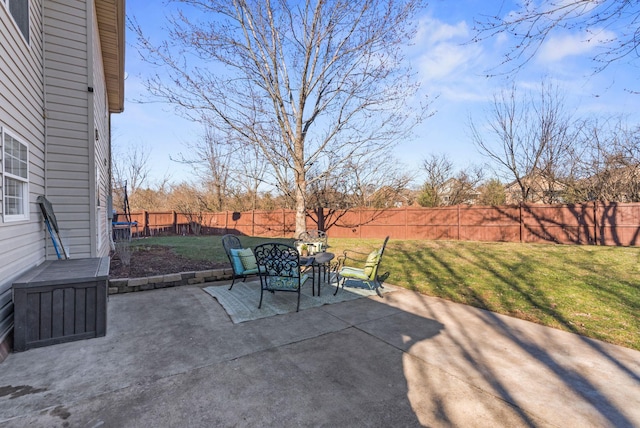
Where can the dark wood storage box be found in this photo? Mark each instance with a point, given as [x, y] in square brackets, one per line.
[60, 301]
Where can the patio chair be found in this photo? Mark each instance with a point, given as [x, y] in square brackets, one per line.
[280, 270]
[367, 274]
[242, 260]
[313, 237]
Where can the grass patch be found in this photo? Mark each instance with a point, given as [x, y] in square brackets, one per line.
[588, 290]
[202, 247]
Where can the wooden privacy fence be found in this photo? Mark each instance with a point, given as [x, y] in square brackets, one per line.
[589, 223]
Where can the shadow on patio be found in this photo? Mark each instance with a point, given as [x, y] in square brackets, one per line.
[172, 357]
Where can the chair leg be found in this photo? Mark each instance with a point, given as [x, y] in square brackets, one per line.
[261, 291]
[313, 281]
[320, 268]
[338, 283]
[382, 278]
[232, 281]
[377, 288]
[298, 307]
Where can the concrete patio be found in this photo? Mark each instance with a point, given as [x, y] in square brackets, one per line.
[173, 358]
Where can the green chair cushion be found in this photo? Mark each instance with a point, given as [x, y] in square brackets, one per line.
[248, 259]
[371, 263]
[355, 273]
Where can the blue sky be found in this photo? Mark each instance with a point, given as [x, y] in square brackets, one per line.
[451, 70]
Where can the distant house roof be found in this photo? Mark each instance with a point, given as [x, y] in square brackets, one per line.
[541, 189]
[111, 28]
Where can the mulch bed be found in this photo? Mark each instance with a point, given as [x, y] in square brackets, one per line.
[156, 260]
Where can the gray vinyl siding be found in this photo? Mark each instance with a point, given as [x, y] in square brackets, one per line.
[22, 114]
[67, 104]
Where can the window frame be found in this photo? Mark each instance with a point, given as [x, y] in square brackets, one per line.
[26, 34]
[5, 174]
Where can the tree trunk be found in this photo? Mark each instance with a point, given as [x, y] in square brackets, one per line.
[301, 211]
[320, 217]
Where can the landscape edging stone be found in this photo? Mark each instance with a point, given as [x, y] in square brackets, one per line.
[130, 285]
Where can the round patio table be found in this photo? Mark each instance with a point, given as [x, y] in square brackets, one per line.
[321, 261]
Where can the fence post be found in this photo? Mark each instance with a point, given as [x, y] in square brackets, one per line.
[459, 222]
[253, 222]
[521, 225]
[406, 222]
[595, 223]
[145, 223]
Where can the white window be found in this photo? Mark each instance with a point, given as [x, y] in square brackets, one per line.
[19, 10]
[15, 178]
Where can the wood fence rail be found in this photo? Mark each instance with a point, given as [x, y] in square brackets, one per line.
[592, 223]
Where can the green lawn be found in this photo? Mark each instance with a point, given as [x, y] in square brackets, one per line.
[590, 290]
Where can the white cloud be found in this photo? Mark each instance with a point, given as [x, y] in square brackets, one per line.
[441, 61]
[442, 50]
[431, 31]
[569, 9]
[558, 48]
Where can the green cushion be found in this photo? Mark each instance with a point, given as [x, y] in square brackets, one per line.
[236, 262]
[371, 263]
[355, 273]
[248, 259]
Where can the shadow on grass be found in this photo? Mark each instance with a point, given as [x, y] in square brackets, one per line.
[456, 287]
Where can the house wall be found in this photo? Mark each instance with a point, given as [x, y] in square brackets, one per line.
[53, 98]
[74, 88]
[22, 113]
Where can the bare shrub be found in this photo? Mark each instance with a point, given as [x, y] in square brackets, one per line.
[123, 249]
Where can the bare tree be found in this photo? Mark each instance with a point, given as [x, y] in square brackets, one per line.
[609, 164]
[463, 187]
[439, 169]
[130, 171]
[376, 180]
[446, 186]
[372, 180]
[613, 25]
[303, 81]
[211, 158]
[191, 201]
[248, 175]
[529, 141]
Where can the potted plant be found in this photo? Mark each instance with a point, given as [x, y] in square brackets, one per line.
[304, 250]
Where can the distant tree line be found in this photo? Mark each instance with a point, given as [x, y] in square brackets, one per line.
[535, 152]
